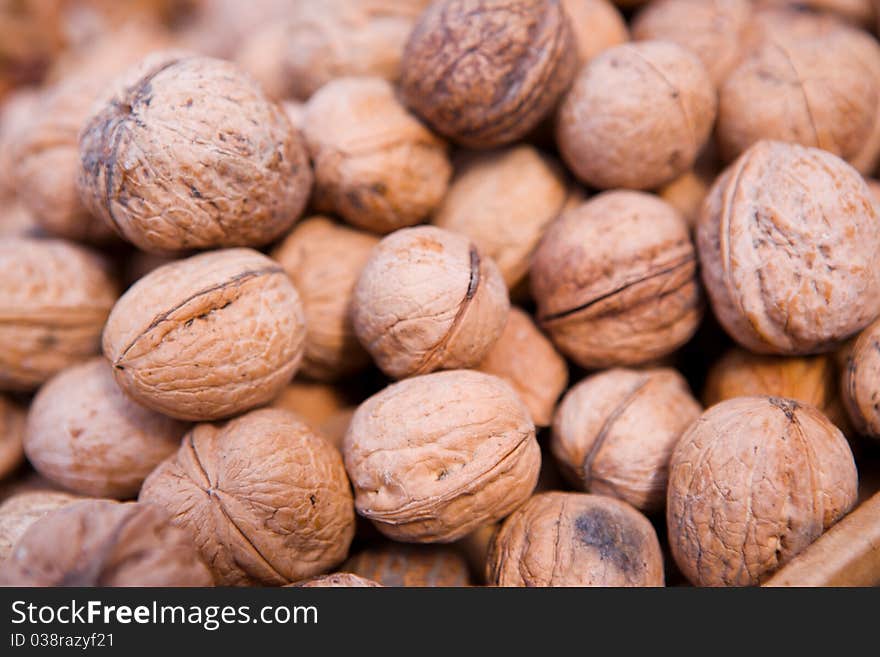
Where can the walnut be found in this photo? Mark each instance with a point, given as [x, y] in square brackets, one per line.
[573, 539]
[399, 565]
[207, 337]
[16, 111]
[528, 362]
[189, 153]
[86, 435]
[375, 164]
[485, 72]
[434, 457]
[614, 433]
[266, 498]
[296, 113]
[324, 261]
[504, 202]
[338, 580]
[859, 382]
[427, 299]
[54, 300]
[104, 543]
[856, 11]
[781, 277]
[596, 24]
[21, 510]
[637, 116]
[616, 281]
[315, 403]
[752, 483]
[31, 36]
[12, 418]
[686, 194]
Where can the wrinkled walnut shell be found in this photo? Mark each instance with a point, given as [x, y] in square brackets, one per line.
[485, 72]
[207, 337]
[752, 483]
[860, 383]
[434, 457]
[411, 565]
[616, 281]
[12, 420]
[782, 276]
[596, 24]
[426, 300]
[21, 510]
[573, 539]
[266, 499]
[84, 434]
[338, 580]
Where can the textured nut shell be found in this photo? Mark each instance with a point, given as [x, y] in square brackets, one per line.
[266, 498]
[528, 362]
[636, 116]
[428, 300]
[375, 164]
[596, 24]
[713, 30]
[339, 580]
[12, 419]
[504, 202]
[485, 72]
[207, 337]
[411, 565]
[752, 483]
[86, 435]
[105, 543]
[20, 511]
[434, 457]
[189, 153]
[54, 299]
[859, 382]
[324, 260]
[615, 431]
[788, 242]
[615, 281]
[573, 539]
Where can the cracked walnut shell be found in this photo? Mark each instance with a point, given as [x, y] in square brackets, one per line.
[788, 242]
[426, 300]
[434, 457]
[753, 482]
[188, 152]
[207, 337]
[265, 497]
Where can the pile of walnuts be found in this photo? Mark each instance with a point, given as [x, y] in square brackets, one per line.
[410, 293]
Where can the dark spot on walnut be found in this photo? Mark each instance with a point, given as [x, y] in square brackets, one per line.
[616, 543]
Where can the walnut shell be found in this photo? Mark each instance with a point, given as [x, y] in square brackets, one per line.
[20, 511]
[12, 420]
[781, 276]
[485, 72]
[54, 300]
[528, 362]
[861, 12]
[324, 260]
[596, 24]
[266, 498]
[427, 300]
[752, 483]
[338, 580]
[636, 116]
[686, 194]
[411, 566]
[614, 433]
[434, 457]
[189, 153]
[375, 164]
[86, 435]
[616, 281]
[105, 543]
[315, 403]
[207, 337]
[859, 382]
[573, 539]
[16, 111]
[504, 202]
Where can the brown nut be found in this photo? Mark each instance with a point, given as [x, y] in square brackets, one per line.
[434, 457]
[16, 111]
[504, 202]
[86, 435]
[12, 420]
[596, 24]
[686, 194]
[485, 72]
[614, 433]
[782, 276]
[20, 511]
[324, 260]
[207, 337]
[752, 483]
[411, 565]
[861, 12]
[528, 362]
[426, 300]
[266, 498]
[375, 164]
[636, 116]
[105, 543]
[338, 580]
[315, 403]
[189, 153]
[573, 539]
[616, 282]
[859, 383]
[54, 300]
